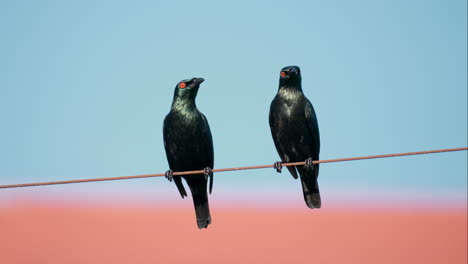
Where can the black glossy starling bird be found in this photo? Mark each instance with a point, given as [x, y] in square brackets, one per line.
[189, 146]
[294, 128]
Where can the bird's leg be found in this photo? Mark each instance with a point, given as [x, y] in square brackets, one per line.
[278, 166]
[169, 175]
[207, 172]
[308, 163]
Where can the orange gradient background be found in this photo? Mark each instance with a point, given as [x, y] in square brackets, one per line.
[59, 233]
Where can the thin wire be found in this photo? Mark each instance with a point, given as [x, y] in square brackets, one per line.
[231, 169]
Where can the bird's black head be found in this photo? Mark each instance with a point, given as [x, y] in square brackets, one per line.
[290, 76]
[188, 89]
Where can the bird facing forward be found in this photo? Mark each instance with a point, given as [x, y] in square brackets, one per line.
[189, 146]
[294, 128]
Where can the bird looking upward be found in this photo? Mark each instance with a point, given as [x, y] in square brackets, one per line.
[189, 146]
[295, 132]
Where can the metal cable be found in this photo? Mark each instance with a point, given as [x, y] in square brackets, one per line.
[231, 169]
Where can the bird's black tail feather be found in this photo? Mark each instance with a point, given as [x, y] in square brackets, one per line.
[310, 186]
[200, 201]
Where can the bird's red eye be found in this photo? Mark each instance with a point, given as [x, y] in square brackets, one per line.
[283, 74]
[182, 85]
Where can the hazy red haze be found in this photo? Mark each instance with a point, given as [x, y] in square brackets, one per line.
[124, 234]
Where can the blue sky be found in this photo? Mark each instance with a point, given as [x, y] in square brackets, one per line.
[85, 86]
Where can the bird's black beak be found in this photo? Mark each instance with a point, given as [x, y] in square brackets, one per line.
[291, 71]
[197, 81]
[294, 70]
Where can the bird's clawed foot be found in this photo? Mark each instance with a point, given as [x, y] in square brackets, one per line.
[169, 175]
[278, 166]
[308, 163]
[207, 172]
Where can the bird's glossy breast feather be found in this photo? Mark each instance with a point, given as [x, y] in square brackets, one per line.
[185, 141]
[288, 113]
